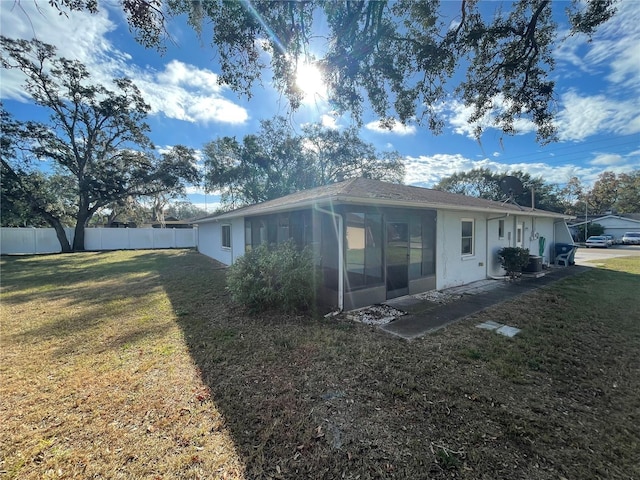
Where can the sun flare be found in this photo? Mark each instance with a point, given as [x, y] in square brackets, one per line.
[309, 80]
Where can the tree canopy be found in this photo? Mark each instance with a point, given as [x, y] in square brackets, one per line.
[95, 141]
[619, 193]
[275, 162]
[611, 192]
[483, 183]
[402, 58]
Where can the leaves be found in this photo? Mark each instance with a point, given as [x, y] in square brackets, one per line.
[402, 59]
[275, 162]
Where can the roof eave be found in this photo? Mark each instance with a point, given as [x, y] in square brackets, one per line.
[349, 200]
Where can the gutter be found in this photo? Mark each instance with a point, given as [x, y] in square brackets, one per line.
[340, 254]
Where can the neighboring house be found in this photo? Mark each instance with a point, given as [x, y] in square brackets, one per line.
[373, 241]
[615, 225]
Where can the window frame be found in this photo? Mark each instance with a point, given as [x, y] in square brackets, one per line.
[227, 236]
[472, 237]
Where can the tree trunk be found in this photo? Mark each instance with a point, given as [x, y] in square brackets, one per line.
[60, 233]
[84, 214]
[78, 235]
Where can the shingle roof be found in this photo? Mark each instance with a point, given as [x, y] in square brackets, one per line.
[365, 191]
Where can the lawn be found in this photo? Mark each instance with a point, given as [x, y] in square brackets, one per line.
[137, 365]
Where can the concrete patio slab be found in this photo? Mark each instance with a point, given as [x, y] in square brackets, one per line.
[472, 299]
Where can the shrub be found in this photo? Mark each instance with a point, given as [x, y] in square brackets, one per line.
[513, 260]
[281, 277]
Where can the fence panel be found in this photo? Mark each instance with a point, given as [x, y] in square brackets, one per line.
[185, 237]
[44, 240]
[141, 237]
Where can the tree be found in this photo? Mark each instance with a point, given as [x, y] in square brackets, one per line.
[484, 183]
[479, 182]
[340, 154]
[628, 192]
[96, 138]
[403, 58]
[275, 162]
[604, 194]
[615, 193]
[266, 165]
[183, 210]
[571, 197]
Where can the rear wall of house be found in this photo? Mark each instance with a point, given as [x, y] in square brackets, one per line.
[212, 244]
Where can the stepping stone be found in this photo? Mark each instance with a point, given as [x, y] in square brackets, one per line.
[508, 331]
[489, 325]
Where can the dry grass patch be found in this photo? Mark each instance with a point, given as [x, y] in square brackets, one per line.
[140, 367]
[96, 379]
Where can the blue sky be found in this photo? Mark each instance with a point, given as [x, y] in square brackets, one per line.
[597, 90]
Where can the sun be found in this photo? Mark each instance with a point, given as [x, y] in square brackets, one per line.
[309, 80]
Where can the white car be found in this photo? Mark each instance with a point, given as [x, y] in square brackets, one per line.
[631, 238]
[597, 241]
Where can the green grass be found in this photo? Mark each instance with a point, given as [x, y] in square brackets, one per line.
[137, 365]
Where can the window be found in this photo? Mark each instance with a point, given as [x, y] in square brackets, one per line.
[500, 228]
[423, 240]
[467, 236]
[247, 236]
[363, 249]
[226, 236]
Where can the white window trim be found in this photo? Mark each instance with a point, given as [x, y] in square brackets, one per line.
[223, 246]
[501, 222]
[473, 237]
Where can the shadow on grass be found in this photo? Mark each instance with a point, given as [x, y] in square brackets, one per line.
[308, 398]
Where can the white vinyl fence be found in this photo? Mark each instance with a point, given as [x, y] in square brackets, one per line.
[43, 240]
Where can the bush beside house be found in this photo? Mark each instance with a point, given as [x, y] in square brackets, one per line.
[513, 260]
[279, 277]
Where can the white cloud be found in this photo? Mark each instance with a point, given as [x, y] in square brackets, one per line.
[607, 160]
[179, 91]
[329, 121]
[614, 49]
[178, 73]
[459, 114]
[397, 128]
[583, 116]
[429, 170]
[612, 56]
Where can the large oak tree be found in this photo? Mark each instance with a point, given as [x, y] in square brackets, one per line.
[96, 139]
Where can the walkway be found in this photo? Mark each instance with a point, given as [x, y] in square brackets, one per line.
[423, 317]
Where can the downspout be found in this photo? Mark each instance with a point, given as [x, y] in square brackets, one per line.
[340, 254]
[231, 235]
[486, 242]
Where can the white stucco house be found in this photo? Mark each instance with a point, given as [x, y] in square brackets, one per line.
[373, 240]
